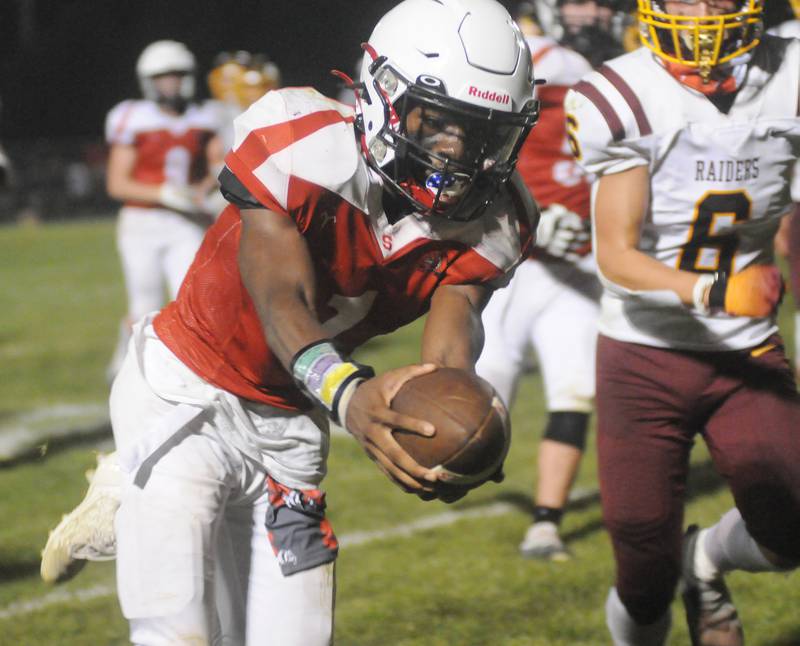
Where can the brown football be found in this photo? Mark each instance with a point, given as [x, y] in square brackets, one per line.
[472, 425]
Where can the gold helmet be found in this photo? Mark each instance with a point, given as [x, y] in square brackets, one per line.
[260, 77]
[700, 42]
[225, 74]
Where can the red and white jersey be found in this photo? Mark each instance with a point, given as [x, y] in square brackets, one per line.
[546, 163]
[169, 148]
[296, 152]
[718, 182]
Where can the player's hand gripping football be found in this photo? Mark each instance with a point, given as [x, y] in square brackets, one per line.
[755, 291]
[563, 233]
[371, 420]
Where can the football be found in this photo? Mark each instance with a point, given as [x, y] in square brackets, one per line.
[473, 430]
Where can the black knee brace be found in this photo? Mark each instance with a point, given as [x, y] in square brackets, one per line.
[568, 428]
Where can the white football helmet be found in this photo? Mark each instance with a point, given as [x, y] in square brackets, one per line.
[163, 57]
[465, 67]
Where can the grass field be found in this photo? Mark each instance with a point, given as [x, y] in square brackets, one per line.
[409, 573]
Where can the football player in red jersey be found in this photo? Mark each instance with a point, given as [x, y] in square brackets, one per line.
[551, 305]
[159, 162]
[341, 226]
[693, 139]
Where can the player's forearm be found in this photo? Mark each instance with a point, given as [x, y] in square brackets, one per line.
[453, 334]
[126, 189]
[636, 271]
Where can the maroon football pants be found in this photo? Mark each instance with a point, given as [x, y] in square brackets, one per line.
[650, 404]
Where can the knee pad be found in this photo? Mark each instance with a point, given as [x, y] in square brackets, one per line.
[568, 428]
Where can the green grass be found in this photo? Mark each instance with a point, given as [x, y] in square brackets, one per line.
[463, 584]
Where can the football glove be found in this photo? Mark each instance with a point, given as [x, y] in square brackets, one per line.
[755, 291]
[563, 233]
[177, 198]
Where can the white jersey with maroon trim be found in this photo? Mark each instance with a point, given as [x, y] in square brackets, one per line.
[718, 182]
[169, 148]
[296, 152]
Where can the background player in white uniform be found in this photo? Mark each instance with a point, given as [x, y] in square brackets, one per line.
[694, 148]
[551, 305]
[159, 167]
[335, 233]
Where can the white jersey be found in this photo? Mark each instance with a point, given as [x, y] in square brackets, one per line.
[719, 182]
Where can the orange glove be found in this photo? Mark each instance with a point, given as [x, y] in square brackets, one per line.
[755, 291]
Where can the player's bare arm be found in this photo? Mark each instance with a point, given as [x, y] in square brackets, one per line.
[119, 180]
[453, 335]
[278, 273]
[620, 208]
[277, 270]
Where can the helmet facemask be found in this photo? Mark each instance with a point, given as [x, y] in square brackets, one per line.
[700, 42]
[446, 157]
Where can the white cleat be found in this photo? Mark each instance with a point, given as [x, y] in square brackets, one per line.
[87, 532]
[543, 542]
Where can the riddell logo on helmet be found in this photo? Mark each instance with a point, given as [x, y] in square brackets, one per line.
[489, 95]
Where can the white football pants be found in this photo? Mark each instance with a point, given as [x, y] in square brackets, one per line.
[551, 307]
[156, 247]
[194, 563]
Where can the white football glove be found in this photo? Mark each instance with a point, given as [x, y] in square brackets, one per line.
[177, 198]
[563, 233]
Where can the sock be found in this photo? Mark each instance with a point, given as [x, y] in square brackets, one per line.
[729, 546]
[626, 632]
[542, 514]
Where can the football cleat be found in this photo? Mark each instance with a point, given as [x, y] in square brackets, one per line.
[710, 613]
[87, 532]
[543, 542]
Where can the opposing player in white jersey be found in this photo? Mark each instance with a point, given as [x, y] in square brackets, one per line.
[551, 304]
[693, 138]
[341, 226]
[159, 167]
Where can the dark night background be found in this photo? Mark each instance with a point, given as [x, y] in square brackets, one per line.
[65, 63]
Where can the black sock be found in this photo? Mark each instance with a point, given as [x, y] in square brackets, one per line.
[547, 514]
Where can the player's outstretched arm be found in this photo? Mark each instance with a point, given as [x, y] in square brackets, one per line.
[453, 334]
[278, 272]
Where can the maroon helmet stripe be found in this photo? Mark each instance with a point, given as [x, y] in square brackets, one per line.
[601, 103]
[630, 98]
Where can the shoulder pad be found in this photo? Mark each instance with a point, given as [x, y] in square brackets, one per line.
[294, 133]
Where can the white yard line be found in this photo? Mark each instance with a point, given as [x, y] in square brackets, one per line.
[35, 428]
[352, 539]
